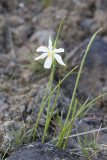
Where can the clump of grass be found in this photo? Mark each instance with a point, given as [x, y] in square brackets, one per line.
[22, 136]
[87, 146]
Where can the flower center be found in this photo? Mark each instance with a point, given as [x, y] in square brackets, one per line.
[50, 53]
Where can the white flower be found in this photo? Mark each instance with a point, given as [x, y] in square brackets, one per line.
[50, 53]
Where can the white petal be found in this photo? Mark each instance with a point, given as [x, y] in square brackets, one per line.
[50, 44]
[48, 62]
[59, 59]
[42, 49]
[41, 56]
[58, 50]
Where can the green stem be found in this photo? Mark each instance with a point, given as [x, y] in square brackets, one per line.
[54, 105]
[41, 109]
[46, 124]
[6, 152]
[55, 44]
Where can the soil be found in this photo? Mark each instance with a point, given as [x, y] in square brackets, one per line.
[26, 25]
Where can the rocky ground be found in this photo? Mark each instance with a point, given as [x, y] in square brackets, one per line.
[24, 26]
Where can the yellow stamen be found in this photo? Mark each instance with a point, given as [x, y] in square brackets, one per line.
[49, 54]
